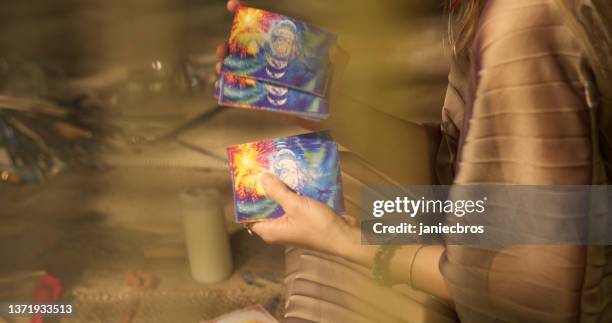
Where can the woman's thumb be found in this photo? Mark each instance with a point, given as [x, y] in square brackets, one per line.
[277, 190]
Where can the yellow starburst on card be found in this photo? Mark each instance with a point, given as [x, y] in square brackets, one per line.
[248, 29]
[248, 20]
[248, 166]
[252, 48]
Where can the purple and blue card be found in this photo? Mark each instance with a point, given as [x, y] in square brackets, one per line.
[244, 92]
[276, 63]
[308, 164]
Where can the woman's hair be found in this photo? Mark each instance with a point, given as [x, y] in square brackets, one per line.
[591, 19]
[462, 22]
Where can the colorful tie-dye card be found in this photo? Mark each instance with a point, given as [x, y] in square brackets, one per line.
[308, 164]
[278, 49]
[246, 92]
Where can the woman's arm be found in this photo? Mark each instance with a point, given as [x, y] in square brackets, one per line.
[424, 269]
[400, 149]
[380, 139]
[313, 225]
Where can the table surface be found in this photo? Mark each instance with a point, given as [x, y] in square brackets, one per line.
[89, 228]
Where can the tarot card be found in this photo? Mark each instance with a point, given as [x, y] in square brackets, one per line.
[278, 49]
[308, 164]
[255, 314]
[246, 92]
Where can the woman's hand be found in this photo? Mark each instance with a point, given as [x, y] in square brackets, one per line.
[310, 224]
[222, 50]
[306, 223]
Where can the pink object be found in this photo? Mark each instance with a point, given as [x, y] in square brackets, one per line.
[47, 290]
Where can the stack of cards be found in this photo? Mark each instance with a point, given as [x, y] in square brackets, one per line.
[307, 164]
[280, 64]
[276, 63]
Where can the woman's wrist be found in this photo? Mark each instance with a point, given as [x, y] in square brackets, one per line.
[348, 246]
[341, 239]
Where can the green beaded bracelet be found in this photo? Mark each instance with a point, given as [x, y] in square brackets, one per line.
[382, 259]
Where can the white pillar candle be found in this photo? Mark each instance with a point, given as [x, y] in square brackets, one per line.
[208, 247]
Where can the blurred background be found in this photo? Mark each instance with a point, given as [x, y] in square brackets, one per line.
[107, 116]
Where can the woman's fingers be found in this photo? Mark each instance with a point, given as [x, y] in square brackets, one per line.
[269, 230]
[279, 192]
[349, 219]
[221, 51]
[232, 5]
[218, 68]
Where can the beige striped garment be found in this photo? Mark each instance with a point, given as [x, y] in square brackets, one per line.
[520, 114]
